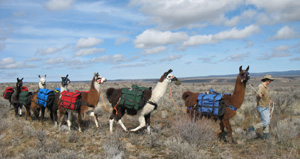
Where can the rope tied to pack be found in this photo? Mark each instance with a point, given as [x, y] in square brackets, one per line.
[174, 101]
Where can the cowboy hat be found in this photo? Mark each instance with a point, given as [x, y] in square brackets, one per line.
[267, 77]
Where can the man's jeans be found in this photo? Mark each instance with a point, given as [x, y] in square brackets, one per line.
[264, 114]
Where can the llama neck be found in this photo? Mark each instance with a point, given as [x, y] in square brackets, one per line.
[159, 91]
[93, 95]
[42, 86]
[238, 95]
[64, 88]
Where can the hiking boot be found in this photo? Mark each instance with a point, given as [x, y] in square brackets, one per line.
[266, 136]
[251, 129]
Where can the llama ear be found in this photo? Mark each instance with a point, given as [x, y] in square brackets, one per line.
[241, 69]
[170, 70]
[67, 75]
[39, 76]
[22, 79]
[18, 79]
[45, 76]
[247, 69]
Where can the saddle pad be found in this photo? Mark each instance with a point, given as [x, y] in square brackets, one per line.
[25, 98]
[70, 100]
[133, 98]
[45, 97]
[212, 104]
[8, 92]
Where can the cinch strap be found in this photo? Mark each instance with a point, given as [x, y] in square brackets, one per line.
[231, 107]
[152, 103]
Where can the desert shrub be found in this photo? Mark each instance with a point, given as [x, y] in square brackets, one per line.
[34, 154]
[181, 149]
[286, 131]
[113, 147]
[73, 137]
[202, 132]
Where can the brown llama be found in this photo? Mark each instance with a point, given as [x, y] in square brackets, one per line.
[151, 98]
[89, 101]
[52, 106]
[14, 100]
[235, 100]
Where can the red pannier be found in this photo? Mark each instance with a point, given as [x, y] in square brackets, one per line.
[24, 88]
[70, 100]
[8, 92]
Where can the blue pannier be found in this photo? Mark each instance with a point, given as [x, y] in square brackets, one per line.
[45, 97]
[211, 104]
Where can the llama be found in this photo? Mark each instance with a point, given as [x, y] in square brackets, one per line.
[89, 101]
[15, 97]
[65, 81]
[235, 100]
[152, 99]
[34, 106]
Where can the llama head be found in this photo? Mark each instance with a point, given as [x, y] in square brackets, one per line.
[99, 79]
[169, 77]
[244, 74]
[19, 82]
[65, 81]
[42, 82]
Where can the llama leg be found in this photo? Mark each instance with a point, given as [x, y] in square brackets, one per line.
[92, 114]
[43, 113]
[111, 121]
[147, 118]
[142, 124]
[61, 114]
[79, 121]
[69, 120]
[228, 128]
[16, 110]
[20, 109]
[221, 134]
[111, 124]
[122, 125]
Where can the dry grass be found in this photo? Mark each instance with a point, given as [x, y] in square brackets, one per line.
[173, 135]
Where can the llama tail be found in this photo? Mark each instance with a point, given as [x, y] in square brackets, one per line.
[187, 94]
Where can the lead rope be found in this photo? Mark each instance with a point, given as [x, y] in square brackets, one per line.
[101, 94]
[174, 101]
[271, 111]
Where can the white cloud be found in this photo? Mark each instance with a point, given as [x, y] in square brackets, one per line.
[295, 59]
[171, 58]
[277, 10]
[121, 40]
[155, 50]
[237, 34]
[50, 50]
[90, 51]
[237, 57]
[130, 65]
[89, 42]
[224, 35]
[10, 63]
[58, 5]
[285, 33]
[179, 13]
[56, 60]
[152, 38]
[267, 56]
[282, 48]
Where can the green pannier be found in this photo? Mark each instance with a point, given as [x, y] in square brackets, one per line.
[25, 98]
[133, 98]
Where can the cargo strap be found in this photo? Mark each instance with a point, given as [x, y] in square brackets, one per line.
[154, 104]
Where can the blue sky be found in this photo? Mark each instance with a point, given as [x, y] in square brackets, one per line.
[138, 39]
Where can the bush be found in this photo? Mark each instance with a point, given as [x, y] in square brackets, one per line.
[286, 131]
[202, 132]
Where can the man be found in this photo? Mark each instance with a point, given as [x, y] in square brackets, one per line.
[263, 101]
